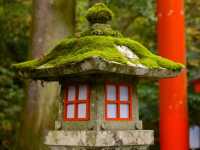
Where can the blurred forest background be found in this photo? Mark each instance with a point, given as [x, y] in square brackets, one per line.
[134, 18]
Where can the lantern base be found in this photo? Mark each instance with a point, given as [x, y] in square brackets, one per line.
[95, 148]
[100, 140]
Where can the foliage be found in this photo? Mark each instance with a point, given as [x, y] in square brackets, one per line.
[193, 55]
[148, 99]
[81, 21]
[14, 30]
[11, 103]
[135, 19]
[194, 103]
[14, 26]
[193, 46]
[193, 33]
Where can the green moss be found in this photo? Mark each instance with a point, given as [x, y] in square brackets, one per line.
[75, 50]
[84, 48]
[151, 63]
[27, 64]
[153, 60]
[99, 13]
[166, 63]
[100, 40]
[101, 29]
[135, 46]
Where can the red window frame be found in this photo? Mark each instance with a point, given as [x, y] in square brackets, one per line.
[76, 101]
[118, 101]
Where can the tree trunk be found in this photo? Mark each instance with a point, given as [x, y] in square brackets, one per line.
[52, 20]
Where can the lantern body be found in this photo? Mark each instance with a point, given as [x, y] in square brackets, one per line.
[98, 130]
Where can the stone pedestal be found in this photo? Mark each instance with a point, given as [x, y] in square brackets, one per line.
[95, 148]
[100, 140]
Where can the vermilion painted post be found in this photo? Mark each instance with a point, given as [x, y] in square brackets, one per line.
[173, 92]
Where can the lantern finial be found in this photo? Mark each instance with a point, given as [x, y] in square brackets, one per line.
[99, 13]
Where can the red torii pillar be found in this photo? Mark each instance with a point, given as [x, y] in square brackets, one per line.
[173, 91]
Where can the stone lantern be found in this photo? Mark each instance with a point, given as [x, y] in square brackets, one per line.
[98, 71]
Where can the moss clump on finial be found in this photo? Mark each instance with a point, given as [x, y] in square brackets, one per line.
[101, 30]
[99, 13]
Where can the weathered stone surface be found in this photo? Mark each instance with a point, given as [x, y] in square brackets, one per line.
[98, 65]
[100, 138]
[100, 148]
[138, 125]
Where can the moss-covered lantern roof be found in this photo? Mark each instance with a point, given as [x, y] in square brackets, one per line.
[99, 49]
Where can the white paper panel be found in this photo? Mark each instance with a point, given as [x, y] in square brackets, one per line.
[81, 110]
[82, 92]
[123, 93]
[194, 137]
[124, 110]
[111, 111]
[111, 92]
[71, 93]
[70, 111]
